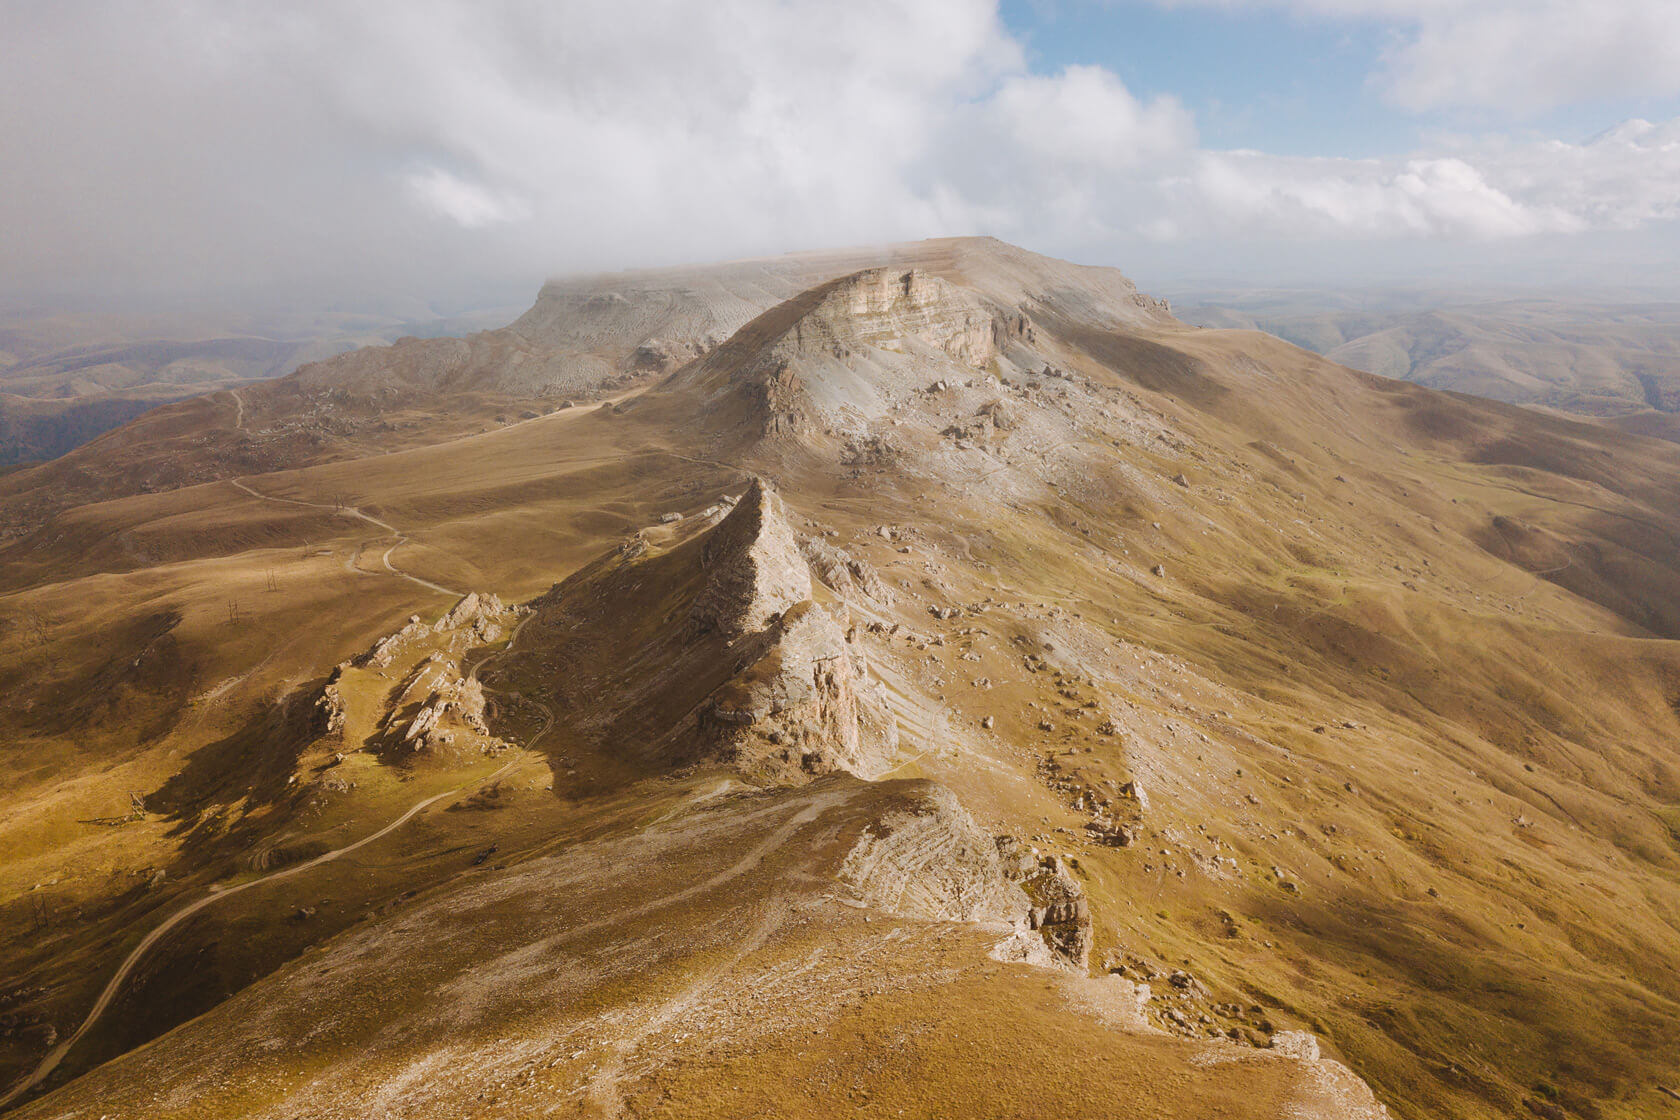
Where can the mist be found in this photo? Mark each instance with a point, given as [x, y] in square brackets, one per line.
[423, 158]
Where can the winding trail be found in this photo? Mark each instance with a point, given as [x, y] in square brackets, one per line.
[106, 996]
[603, 1095]
[100, 1005]
[1542, 577]
[402, 538]
[239, 408]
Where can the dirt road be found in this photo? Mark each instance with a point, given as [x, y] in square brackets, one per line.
[352, 511]
[100, 1005]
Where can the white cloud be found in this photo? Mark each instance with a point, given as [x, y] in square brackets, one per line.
[1528, 55]
[1521, 56]
[1085, 117]
[1477, 189]
[1440, 198]
[336, 152]
[469, 205]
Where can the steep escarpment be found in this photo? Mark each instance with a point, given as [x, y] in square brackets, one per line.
[843, 353]
[693, 644]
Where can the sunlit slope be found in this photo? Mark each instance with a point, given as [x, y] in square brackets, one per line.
[1351, 701]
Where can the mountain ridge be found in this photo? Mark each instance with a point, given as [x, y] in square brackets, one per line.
[1316, 716]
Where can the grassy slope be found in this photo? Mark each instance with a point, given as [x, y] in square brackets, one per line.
[1334, 558]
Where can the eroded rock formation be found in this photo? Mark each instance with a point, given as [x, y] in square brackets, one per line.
[754, 570]
[800, 700]
[928, 859]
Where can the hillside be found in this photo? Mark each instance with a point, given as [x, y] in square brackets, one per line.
[1594, 357]
[67, 378]
[930, 680]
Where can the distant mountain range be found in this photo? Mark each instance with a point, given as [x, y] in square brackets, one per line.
[66, 378]
[1598, 357]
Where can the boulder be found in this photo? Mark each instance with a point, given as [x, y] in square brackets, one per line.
[1301, 1045]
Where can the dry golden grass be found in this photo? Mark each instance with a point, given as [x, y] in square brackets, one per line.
[1403, 702]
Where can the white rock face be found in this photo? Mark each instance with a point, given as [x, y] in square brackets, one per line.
[930, 860]
[804, 704]
[1302, 1045]
[754, 568]
[884, 307]
[842, 353]
[800, 702]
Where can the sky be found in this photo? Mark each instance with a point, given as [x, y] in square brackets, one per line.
[453, 153]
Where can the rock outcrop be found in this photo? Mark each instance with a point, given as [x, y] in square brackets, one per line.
[928, 859]
[1058, 911]
[439, 710]
[710, 648]
[329, 711]
[475, 619]
[883, 306]
[802, 705]
[843, 351]
[799, 701]
[754, 570]
[481, 615]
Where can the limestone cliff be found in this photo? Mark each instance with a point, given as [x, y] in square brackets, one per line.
[844, 351]
[753, 568]
[799, 700]
[711, 649]
[802, 705]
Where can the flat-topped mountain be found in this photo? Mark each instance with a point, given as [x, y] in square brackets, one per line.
[929, 680]
[583, 339]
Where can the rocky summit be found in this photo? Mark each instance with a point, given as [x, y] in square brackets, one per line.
[919, 681]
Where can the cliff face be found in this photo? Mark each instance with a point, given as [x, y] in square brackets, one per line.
[803, 706]
[887, 308]
[799, 702]
[706, 646]
[754, 570]
[844, 353]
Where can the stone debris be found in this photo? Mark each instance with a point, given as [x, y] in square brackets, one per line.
[844, 573]
[1057, 907]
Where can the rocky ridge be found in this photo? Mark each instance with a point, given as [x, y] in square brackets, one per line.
[842, 354]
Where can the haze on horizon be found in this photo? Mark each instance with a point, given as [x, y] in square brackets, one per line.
[449, 154]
